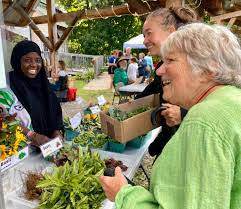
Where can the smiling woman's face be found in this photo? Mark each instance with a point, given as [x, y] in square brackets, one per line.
[31, 64]
[180, 85]
[154, 35]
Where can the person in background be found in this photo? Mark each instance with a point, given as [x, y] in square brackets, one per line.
[119, 55]
[149, 63]
[120, 75]
[61, 79]
[142, 64]
[132, 70]
[127, 53]
[29, 83]
[157, 27]
[112, 62]
[62, 68]
[10, 106]
[200, 167]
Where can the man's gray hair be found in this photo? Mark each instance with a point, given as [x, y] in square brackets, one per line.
[209, 48]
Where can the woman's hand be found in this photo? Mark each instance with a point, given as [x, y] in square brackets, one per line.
[172, 114]
[57, 133]
[112, 185]
[39, 139]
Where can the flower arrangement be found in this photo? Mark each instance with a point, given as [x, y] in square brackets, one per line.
[12, 138]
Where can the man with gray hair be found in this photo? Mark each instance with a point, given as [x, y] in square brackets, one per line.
[127, 53]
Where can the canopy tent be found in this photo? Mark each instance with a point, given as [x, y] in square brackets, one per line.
[135, 43]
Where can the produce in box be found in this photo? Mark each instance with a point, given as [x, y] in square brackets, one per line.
[122, 115]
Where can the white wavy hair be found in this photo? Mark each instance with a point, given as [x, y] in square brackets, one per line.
[208, 48]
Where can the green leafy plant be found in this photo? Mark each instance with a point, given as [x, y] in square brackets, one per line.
[75, 185]
[122, 115]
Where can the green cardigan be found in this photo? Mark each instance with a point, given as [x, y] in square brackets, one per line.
[200, 167]
[120, 75]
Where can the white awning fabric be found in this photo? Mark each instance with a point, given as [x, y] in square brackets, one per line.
[135, 43]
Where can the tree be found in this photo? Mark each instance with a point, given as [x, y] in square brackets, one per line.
[100, 36]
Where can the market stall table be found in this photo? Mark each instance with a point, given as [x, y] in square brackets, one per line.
[135, 156]
[133, 88]
[130, 91]
[12, 178]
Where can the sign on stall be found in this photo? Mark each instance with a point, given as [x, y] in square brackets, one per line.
[81, 102]
[13, 160]
[101, 100]
[75, 121]
[95, 109]
[51, 147]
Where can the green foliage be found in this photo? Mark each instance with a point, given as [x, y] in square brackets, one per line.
[122, 115]
[74, 185]
[73, 5]
[86, 76]
[100, 36]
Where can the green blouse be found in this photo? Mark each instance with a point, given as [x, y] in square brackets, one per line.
[120, 75]
[200, 167]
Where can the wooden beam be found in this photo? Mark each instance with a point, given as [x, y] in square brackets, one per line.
[33, 26]
[88, 14]
[226, 16]
[52, 31]
[8, 11]
[66, 32]
[170, 3]
[231, 22]
[28, 9]
[52, 26]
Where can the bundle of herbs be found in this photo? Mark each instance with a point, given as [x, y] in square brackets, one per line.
[91, 139]
[75, 185]
[31, 192]
[85, 125]
[122, 115]
[112, 163]
[67, 153]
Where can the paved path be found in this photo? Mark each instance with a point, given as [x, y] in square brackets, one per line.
[102, 82]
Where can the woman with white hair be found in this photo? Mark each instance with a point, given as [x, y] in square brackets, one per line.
[200, 167]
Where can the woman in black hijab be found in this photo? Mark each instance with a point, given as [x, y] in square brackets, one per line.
[30, 84]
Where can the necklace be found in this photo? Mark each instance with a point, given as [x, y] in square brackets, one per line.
[205, 93]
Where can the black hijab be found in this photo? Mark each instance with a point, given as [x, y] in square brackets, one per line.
[35, 93]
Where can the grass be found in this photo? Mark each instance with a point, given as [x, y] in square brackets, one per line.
[91, 95]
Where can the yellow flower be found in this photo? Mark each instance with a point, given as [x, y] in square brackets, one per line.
[12, 152]
[4, 125]
[19, 135]
[3, 155]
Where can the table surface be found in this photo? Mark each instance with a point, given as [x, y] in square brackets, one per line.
[135, 156]
[12, 178]
[133, 88]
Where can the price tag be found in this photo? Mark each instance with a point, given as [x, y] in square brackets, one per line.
[95, 109]
[101, 100]
[51, 146]
[75, 121]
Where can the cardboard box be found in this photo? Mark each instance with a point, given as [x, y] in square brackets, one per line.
[124, 131]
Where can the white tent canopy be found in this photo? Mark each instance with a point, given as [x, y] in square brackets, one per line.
[135, 43]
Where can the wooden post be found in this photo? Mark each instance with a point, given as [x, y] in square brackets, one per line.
[52, 31]
[170, 3]
[33, 26]
[66, 32]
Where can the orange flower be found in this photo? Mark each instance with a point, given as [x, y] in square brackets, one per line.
[3, 154]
